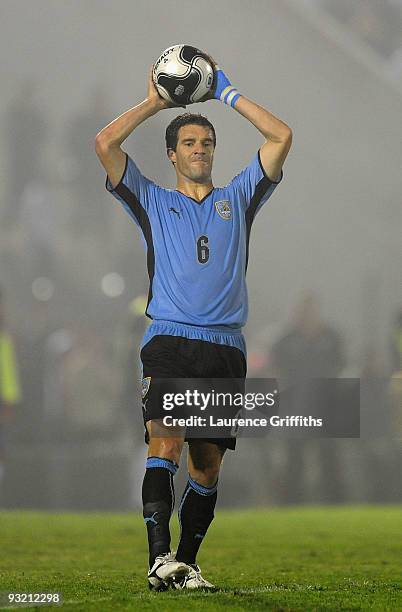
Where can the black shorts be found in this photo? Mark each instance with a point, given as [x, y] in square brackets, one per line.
[175, 357]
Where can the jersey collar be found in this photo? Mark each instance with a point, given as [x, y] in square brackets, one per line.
[193, 199]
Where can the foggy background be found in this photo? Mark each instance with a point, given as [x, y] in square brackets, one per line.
[72, 266]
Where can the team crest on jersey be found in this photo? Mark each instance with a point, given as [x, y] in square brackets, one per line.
[146, 383]
[224, 209]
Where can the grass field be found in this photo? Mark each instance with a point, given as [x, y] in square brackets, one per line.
[343, 558]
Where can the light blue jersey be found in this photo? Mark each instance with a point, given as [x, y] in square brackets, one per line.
[197, 252]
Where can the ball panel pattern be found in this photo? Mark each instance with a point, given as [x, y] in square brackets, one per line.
[183, 74]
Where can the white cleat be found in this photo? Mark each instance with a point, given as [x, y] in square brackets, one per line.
[164, 570]
[193, 579]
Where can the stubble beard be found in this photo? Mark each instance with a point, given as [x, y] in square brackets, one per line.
[200, 174]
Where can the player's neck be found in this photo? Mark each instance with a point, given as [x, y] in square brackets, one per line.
[196, 191]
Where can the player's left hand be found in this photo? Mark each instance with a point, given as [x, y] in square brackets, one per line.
[222, 88]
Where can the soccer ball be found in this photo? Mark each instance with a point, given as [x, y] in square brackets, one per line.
[183, 74]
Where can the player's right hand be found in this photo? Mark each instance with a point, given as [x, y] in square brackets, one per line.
[154, 97]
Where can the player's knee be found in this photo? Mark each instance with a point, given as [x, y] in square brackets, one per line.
[204, 462]
[207, 477]
[205, 471]
[166, 448]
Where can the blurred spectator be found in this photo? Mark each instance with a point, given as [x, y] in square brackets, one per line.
[395, 387]
[32, 339]
[80, 385]
[89, 386]
[396, 344]
[10, 394]
[374, 406]
[380, 479]
[138, 323]
[395, 396]
[310, 349]
[40, 222]
[24, 141]
[90, 211]
[131, 400]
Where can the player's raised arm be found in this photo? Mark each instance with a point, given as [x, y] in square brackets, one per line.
[108, 141]
[278, 135]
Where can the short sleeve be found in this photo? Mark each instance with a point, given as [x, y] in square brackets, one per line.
[134, 191]
[253, 186]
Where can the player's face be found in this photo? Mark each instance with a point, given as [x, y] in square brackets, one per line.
[194, 153]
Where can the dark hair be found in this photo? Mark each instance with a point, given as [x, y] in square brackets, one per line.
[172, 129]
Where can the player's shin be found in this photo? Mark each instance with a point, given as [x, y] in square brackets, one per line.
[158, 503]
[196, 513]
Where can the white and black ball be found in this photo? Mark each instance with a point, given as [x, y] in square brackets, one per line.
[183, 74]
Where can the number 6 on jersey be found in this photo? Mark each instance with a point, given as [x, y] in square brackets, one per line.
[202, 249]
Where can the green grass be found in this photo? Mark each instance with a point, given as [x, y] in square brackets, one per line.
[343, 558]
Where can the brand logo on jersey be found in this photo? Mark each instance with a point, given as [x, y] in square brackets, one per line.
[146, 383]
[224, 209]
[173, 210]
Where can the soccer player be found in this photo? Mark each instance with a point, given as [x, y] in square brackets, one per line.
[197, 239]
